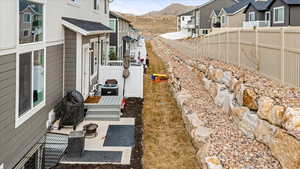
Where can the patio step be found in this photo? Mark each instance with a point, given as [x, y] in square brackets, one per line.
[91, 106]
[103, 117]
[103, 111]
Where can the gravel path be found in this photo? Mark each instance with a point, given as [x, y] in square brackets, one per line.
[227, 142]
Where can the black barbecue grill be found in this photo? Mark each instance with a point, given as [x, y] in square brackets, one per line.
[72, 110]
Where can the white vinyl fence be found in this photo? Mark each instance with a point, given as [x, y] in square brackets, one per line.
[134, 84]
[273, 52]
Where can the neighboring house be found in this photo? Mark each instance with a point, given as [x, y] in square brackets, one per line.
[61, 51]
[202, 14]
[258, 13]
[215, 19]
[185, 22]
[120, 39]
[232, 16]
[285, 13]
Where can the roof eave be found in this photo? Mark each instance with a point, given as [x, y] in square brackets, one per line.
[82, 31]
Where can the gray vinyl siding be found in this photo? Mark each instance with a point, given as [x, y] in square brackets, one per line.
[294, 15]
[70, 60]
[286, 13]
[205, 11]
[16, 142]
[259, 15]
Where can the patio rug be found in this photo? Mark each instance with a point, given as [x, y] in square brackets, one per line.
[94, 157]
[120, 136]
[93, 99]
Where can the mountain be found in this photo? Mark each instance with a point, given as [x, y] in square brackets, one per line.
[173, 9]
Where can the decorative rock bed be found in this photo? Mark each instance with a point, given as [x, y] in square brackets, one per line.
[258, 117]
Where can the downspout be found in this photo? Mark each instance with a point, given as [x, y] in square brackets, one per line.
[289, 16]
[98, 59]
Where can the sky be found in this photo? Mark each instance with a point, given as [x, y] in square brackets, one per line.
[139, 7]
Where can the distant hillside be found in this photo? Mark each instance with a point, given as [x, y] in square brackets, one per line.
[156, 24]
[173, 9]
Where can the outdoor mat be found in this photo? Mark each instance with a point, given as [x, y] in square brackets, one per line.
[93, 99]
[95, 156]
[120, 136]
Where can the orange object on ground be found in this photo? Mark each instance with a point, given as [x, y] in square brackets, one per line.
[93, 99]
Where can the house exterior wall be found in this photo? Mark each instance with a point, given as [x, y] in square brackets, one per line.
[122, 31]
[259, 15]
[70, 60]
[184, 19]
[16, 142]
[236, 20]
[56, 9]
[294, 15]
[286, 13]
[205, 11]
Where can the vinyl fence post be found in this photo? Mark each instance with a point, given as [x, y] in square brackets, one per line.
[227, 47]
[282, 55]
[256, 51]
[208, 52]
[219, 46]
[239, 47]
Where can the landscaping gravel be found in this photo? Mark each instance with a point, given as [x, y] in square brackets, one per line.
[226, 142]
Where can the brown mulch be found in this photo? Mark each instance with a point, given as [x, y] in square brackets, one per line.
[133, 108]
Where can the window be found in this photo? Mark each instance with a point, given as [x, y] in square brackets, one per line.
[27, 18]
[182, 18]
[92, 54]
[112, 24]
[267, 16]
[76, 1]
[251, 16]
[31, 17]
[26, 33]
[278, 15]
[31, 91]
[223, 19]
[96, 4]
[112, 53]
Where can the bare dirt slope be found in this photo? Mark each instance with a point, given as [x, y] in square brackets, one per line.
[158, 22]
[173, 9]
[153, 24]
[166, 143]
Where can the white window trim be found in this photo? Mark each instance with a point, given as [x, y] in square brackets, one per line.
[251, 14]
[29, 47]
[24, 117]
[27, 13]
[281, 7]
